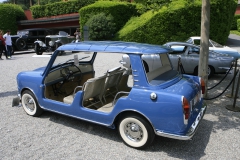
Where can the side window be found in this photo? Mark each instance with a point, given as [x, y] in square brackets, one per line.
[193, 50]
[46, 33]
[33, 33]
[41, 33]
[197, 41]
[178, 49]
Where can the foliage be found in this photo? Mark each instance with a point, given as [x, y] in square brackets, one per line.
[235, 32]
[59, 8]
[101, 27]
[234, 22]
[153, 4]
[238, 25]
[178, 21]
[121, 11]
[9, 15]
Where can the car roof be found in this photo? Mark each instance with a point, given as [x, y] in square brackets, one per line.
[115, 47]
[32, 29]
[181, 43]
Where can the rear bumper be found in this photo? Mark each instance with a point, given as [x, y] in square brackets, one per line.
[192, 130]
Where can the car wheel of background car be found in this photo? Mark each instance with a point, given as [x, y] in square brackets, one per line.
[210, 71]
[136, 132]
[21, 44]
[30, 104]
[36, 48]
[58, 45]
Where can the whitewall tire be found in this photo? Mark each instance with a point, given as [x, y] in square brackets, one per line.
[136, 132]
[30, 104]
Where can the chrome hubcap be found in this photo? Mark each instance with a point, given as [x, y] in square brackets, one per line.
[133, 131]
[209, 71]
[29, 103]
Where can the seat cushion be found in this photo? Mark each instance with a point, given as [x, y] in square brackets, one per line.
[68, 99]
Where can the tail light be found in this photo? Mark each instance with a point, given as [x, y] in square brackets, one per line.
[186, 109]
[202, 83]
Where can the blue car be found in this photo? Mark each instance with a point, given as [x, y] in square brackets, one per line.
[161, 102]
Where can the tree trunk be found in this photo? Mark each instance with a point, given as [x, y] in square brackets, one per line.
[204, 48]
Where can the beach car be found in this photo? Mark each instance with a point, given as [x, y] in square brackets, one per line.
[216, 47]
[139, 105]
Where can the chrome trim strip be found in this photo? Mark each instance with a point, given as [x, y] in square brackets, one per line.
[191, 131]
[227, 68]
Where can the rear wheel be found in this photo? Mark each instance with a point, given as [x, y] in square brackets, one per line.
[136, 132]
[37, 49]
[30, 104]
[210, 71]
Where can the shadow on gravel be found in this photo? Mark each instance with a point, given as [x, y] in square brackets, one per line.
[191, 149]
[83, 126]
[8, 93]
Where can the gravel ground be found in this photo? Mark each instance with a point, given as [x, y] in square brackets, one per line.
[53, 136]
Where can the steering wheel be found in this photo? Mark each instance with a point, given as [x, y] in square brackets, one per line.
[69, 74]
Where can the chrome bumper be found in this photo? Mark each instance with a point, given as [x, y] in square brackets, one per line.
[191, 131]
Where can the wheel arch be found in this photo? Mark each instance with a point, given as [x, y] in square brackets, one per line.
[28, 89]
[196, 70]
[131, 113]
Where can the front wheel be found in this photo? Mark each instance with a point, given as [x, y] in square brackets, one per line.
[30, 105]
[136, 132]
[37, 49]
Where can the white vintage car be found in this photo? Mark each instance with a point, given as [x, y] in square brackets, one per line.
[216, 47]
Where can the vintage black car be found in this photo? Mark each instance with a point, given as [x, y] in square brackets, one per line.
[52, 42]
[25, 38]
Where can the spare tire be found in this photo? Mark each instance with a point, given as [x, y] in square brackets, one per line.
[21, 44]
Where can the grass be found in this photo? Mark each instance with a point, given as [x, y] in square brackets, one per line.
[235, 32]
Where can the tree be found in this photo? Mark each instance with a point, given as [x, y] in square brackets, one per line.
[153, 4]
[204, 48]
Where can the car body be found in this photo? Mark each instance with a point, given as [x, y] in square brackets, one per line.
[52, 42]
[25, 38]
[163, 102]
[189, 56]
[216, 47]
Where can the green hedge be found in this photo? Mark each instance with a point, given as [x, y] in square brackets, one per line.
[9, 15]
[121, 11]
[238, 25]
[234, 22]
[179, 21]
[59, 8]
